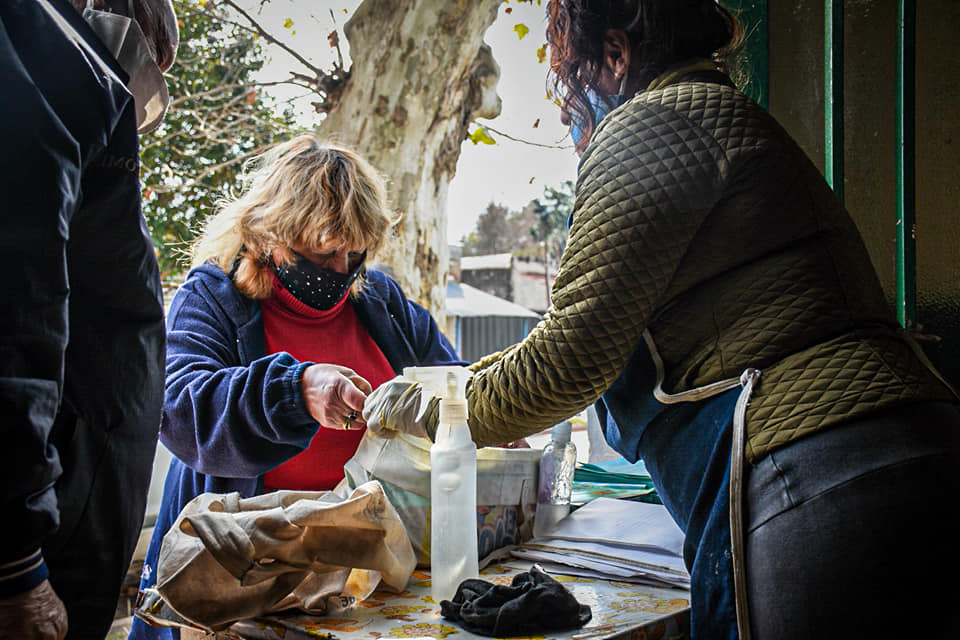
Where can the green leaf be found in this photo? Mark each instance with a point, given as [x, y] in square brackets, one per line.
[521, 29]
[184, 168]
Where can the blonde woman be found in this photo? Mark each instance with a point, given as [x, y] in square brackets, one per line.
[279, 333]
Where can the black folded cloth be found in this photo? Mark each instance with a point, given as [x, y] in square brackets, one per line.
[533, 603]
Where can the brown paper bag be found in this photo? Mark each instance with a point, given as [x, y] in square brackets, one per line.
[228, 558]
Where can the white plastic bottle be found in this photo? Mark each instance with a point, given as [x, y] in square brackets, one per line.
[453, 482]
[557, 464]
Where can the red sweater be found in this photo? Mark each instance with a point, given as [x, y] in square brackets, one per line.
[334, 336]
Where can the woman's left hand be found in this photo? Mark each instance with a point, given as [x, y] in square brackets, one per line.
[335, 395]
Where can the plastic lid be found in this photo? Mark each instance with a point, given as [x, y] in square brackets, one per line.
[444, 381]
[561, 431]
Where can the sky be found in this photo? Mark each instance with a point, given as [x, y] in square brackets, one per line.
[513, 173]
[508, 173]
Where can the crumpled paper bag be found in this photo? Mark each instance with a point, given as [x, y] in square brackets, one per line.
[228, 558]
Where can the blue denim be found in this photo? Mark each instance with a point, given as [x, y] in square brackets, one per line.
[686, 450]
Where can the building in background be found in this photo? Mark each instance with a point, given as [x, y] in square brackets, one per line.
[479, 323]
[520, 280]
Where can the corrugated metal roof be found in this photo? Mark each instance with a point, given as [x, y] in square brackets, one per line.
[468, 302]
[490, 261]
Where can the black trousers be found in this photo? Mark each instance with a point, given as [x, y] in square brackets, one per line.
[854, 532]
[101, 495]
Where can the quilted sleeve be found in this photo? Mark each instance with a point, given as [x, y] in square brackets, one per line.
[646, 183]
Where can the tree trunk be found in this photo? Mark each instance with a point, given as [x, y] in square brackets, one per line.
[421, 73]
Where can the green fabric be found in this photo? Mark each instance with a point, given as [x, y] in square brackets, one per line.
[587, 472]
[591, 481]
[697, 217]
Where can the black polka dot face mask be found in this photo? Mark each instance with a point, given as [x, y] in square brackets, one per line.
[316, 286]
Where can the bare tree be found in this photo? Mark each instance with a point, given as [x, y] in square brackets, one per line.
[421, 73]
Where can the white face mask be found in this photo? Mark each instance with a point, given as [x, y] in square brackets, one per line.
[125, 40]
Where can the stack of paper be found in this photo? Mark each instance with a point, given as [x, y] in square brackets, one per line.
[614, 540]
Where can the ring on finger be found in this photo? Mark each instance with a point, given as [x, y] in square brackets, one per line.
[349, 419]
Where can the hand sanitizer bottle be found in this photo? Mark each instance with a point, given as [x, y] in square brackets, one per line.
[453, 482]
[557, 464]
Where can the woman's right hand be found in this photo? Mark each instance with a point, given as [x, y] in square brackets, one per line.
[395, 406]
[333, 393]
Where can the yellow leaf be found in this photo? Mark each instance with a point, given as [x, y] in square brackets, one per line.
[287, 23]
[480, 135]
[521, 29]
[542, 53]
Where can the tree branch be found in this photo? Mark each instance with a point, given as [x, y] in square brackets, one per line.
[528, 142]
[163, 188]
[270, 38]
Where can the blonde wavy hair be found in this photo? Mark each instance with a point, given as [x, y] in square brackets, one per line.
[302, 191]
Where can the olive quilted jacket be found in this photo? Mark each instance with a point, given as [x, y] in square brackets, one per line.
[698, 219]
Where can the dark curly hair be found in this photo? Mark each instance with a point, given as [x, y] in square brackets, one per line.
[661, 33]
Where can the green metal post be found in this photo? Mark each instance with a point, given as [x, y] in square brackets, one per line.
[755, 57]
[833, 94]
[906, 154]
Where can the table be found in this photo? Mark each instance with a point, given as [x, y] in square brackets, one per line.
[620, 610]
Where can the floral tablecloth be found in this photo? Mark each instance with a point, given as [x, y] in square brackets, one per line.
[620, 610]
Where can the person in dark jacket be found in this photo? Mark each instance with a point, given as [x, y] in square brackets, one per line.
[717, 303]
[278, 334]
[81, 332]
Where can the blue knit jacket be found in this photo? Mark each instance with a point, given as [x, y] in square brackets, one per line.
[231, 412]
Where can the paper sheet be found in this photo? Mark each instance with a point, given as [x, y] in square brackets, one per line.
[614, 539]
[622, 522]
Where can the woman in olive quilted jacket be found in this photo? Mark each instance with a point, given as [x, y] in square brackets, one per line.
[716, 302]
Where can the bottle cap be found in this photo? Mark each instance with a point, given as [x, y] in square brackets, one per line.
[561, 431]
